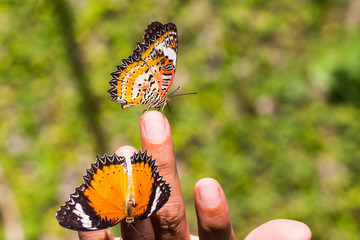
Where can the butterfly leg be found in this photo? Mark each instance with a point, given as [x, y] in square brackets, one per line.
[162, 109]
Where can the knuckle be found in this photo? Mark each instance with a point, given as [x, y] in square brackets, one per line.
[171, 222]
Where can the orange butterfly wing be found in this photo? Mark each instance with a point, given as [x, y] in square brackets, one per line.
[99, 202]
[151, 191]
[107, 192]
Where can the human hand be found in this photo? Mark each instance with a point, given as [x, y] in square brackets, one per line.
[210, 202]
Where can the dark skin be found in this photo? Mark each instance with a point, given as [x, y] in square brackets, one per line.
[210, 202]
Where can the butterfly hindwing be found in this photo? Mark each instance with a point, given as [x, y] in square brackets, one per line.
[145, 77]
[76, 214]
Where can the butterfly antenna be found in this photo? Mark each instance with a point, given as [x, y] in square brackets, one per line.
[130, 224]
[174, 91]
[124, 231]
[181, 94]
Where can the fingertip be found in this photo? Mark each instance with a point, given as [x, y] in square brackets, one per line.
[301, 231]
[281, 229]
[151, 113]
[154, 127]
[125, 151]
[295, 230]
[208, 192]
[306, 232]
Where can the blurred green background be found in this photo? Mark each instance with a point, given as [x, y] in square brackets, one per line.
[275, 120]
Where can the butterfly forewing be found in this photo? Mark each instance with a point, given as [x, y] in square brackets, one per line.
[107, 192]
[99, 202]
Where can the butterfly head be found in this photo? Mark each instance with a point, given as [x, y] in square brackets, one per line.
[161, 102]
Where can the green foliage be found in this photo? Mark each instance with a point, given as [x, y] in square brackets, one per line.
[275, 120]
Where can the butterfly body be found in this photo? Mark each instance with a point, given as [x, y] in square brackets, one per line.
[145, 77]
[115, 189]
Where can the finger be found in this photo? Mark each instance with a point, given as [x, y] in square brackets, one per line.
[212, 211]
[281, 229]
[170, 221]
[96, 235]
[144, 227]
[193, 237]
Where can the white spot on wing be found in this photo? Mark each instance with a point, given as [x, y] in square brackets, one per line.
[84, 218]
[171, 54]
[155, 202]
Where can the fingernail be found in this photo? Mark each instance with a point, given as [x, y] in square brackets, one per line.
[154, 126]
[210, 192]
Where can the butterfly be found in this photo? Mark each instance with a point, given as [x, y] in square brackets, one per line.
[145, 77]
[115, 188]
